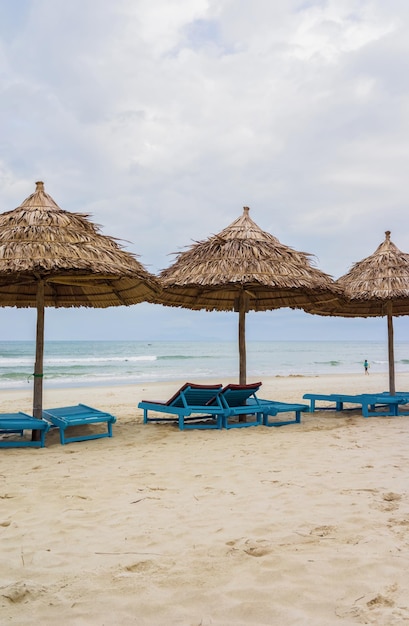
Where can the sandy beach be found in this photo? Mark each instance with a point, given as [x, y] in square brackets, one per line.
[306, 524]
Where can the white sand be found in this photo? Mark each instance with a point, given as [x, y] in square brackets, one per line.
[301, 525]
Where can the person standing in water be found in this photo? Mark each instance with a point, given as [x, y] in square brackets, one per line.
[366, 367]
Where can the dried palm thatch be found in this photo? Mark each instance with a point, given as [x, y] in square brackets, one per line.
[78, 266]
[377, 286]
[244, 268]
[50, 257]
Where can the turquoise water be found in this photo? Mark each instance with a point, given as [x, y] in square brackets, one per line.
[91, 363]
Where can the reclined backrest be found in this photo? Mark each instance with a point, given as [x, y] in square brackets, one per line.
[236, 395]
[194, 394]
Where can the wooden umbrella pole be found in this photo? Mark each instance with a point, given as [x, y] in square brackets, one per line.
[391, 355]
[38, 366]
[242, 346]
[242, 340]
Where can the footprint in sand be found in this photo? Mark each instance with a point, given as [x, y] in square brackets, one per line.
[141, 567]
[147, 570]
[389, 502]
[323, 531]
[391, 497]
[380, 600]
[400, 528]
[251, 547]
[388, 605]
[21, 591]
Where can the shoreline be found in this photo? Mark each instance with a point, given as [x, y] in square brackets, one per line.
[281, 388]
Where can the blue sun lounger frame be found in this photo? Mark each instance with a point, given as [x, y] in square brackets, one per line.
[189, 407]
[273, 408]
[243, 400]
[79, 415]
[370, 403]
[17, 423]
[211, 406]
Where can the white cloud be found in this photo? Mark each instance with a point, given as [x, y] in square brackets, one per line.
[330, 30]
[162, 119]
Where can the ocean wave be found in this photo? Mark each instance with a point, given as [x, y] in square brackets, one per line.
[15, 375]
[74, 360]
[63, 380]
[97, 359]
[69, 381]
[182, 357]
[332, 363]
[88, 363]
[16, 361]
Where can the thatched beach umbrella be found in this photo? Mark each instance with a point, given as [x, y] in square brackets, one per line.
[377, 286]
[240, 269]
[50, 257]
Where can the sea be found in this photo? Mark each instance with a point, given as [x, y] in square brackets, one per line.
[110, 363]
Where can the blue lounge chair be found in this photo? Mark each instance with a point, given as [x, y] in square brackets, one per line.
[192, 406]
[383, 404]
[335, 400]
[241, 400]
[79, 415]
[402, 395]
[16, 424]
[273, 408]
[372, 405]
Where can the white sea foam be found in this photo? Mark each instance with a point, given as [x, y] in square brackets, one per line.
[97, 360]
[126, 362]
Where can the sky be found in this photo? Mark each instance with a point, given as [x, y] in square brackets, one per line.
[162, 119]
